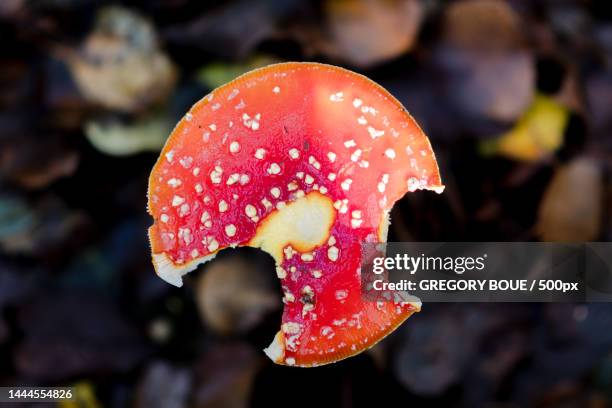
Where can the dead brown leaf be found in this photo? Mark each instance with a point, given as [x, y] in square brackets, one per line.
[571, 209]
[483, 25]
[488, 70]
[120, 65]
[233, 295]
[367, 32]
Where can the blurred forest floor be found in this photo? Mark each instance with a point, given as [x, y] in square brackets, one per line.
[515, 96]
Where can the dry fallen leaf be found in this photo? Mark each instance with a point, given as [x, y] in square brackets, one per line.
[367, 32]
[120, 65]
[9, 8]
[538, 133]
[486, 67]
[33, 162]
[234, 295]
[571, 208]
[491, 85]
[483, 25]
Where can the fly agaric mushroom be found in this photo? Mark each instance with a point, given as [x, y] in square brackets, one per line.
[304, 161]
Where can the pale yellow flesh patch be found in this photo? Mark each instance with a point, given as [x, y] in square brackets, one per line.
[383, 227]
[304, 224]
[276, 350]
[173, 274]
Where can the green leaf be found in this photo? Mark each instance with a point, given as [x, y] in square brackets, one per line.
[119, 139]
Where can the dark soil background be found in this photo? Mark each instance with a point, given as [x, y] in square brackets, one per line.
[516, 97]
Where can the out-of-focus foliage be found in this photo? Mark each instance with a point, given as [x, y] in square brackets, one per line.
[26, 229]
[163, 386]
[537, 133]
[120, 65]
[484, 55]
[367, 32]
[218, 304]
[571, 208]
[84, 397]
[216, 74]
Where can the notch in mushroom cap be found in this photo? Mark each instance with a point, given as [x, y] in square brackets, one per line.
[304, 161]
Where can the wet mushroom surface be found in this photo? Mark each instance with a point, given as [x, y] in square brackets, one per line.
[304, 161]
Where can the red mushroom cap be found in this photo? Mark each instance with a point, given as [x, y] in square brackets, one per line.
[304, 161]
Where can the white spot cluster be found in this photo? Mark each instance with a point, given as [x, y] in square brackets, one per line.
[230, 230]
[233, 179]
[346, 184]
[210, 243]
[251, 122]
[186, 162]
[251, 212]
[382, 184]
[374, 133]
[314, 163]
[341, 206]
[223, 206]
[350, 143]
[273, 169]
[185, 235]
[336, 97]
[260, 153]
[184, 210]
[307, 257]
[333, 253]
[233, 94]
[177, 200]
[291, 328]
[294, 153]
[280, 272]
[356, 219]
[413, 184]
[174, 182]
[266, 203]
[240, 105]
[215, 175]
[289, 252]
[205, 219]
[234, 147]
